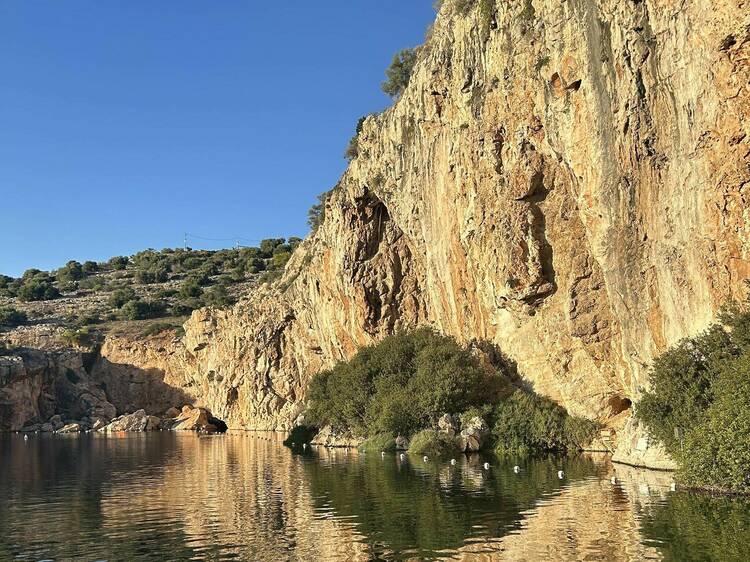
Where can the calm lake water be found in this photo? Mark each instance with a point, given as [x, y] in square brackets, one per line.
[167, 496]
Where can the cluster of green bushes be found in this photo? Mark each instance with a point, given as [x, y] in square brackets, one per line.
[698, 404]
[403, 385]
[10, 316]
[400, 386]
[525, 423]
[35, 285]
[205, 277]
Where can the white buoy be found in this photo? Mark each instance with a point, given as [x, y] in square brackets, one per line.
[516, 469]
[293, 444]
[425, 459]
[304, 445]
[453, 461]
[25, 437]
[560, 474]
[613, 480]
[486, 466]
[401, 456]
[382, 453]
[673, 486]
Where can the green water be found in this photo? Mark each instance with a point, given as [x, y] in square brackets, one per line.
[167, 496]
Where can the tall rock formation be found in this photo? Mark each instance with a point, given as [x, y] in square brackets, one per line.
[566, 179]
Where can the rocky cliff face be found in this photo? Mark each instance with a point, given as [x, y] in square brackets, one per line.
[566, 180]
[36, 385]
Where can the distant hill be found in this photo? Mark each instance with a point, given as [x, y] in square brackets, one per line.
[88, 298]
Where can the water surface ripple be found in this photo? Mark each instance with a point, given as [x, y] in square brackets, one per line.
[243, 496]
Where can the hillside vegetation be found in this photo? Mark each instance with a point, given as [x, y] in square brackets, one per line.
[85, 298]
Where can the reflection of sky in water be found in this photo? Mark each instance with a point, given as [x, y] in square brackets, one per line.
[167, 496]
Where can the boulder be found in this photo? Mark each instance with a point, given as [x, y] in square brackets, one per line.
[137, 421]
[99, 424]
[153, 424]
[73, 427]
[447, 425]
[197, 419]
[47, 428]
[172, 413]
[474, 434]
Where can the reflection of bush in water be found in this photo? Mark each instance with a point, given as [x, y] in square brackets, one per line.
[426, 507]
[690, 526]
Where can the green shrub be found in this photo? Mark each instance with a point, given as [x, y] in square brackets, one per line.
[528, 424]
[681, 384]
[271, 276]
[300, 434]
[191, 288]
[528, 13]
[81, 337]
[38, 288]
[86, 319]
[139, 310]
[268, 245]
[94, 283]
[463, 7]
[400, 386]
[433, 443]
[541, 62]
[218, 296]
[316, 214]
[153, 274]
[118, 263]
[10, 316]
[9, 286]
[352, 149]
[72, 271]
[166, 293]
[185, 306]
[278, 261]
[378, 443]
[399, 72]
[717, 450]
[119, 297]
[698, 404]
[90, 267]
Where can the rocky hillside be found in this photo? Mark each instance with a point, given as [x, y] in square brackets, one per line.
[565, 181]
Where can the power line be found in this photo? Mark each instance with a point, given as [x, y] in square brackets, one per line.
[235, 239]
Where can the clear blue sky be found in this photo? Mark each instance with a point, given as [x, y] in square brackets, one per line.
[125, 123]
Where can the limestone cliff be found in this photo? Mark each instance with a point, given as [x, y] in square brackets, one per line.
[568, 180]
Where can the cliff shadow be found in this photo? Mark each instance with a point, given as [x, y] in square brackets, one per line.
[131, 388]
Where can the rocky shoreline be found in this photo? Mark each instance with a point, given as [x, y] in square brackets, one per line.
[186, 419]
